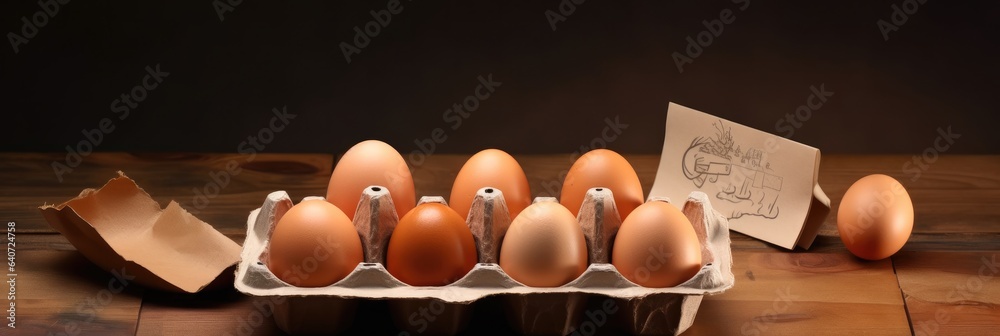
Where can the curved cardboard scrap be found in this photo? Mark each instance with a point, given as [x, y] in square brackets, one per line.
[125, 232]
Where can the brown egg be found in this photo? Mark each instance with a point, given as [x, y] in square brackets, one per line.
[431, 246]
[369, 163]
[313, 245]
[544, 246]
[875, 217]
[490, 168]
[657, 247]
[606, 169]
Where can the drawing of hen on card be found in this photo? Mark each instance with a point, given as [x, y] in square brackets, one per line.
[743, 177]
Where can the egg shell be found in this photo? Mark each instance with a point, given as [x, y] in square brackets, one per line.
[314, 244]
[605, 169]
[544, 246]
[657, 247]
[431, 246]
[490, 168]
[875, 217]
[366, 164]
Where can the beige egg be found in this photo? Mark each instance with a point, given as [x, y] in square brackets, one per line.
[544, 246]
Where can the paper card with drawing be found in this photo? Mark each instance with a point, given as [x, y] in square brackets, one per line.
[764, 184]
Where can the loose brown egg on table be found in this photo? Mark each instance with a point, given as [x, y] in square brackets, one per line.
[657, 247]
[431, 246]
[544, 246]
[875, 217]
[369, 163]
[490, 168]
[606, 169]
[313, 245]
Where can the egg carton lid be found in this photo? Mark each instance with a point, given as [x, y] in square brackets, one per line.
[373, 281]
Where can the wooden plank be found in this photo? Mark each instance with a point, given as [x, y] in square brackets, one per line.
[28, 182]
[780, 293]
[222, 312]
[956, 194]
[917, 242]
[61, 292]
[953, 185]
[951, 293]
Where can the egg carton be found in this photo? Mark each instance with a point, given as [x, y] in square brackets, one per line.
[530, 310]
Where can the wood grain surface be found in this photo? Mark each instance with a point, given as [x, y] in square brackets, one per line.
[951, 293]
[29, 182]
[779, 293]
[945, 280]
[62, 293]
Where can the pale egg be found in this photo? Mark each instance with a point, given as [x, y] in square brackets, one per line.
[544, 246]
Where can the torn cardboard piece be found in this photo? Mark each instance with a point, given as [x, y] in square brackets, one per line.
[765, 185]
[123, 230]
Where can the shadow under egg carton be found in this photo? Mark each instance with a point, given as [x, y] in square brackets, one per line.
[530, 310]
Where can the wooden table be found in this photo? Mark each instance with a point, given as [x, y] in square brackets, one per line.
[944, 281]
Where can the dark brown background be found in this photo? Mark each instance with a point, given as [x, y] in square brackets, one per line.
[607, 59]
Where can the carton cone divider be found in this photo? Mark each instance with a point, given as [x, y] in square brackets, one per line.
[600, 221]
[489, 219]
[375, 219]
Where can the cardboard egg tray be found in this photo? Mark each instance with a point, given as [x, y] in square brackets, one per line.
[530, 310]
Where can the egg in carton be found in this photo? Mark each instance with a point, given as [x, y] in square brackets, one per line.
[530, 310]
